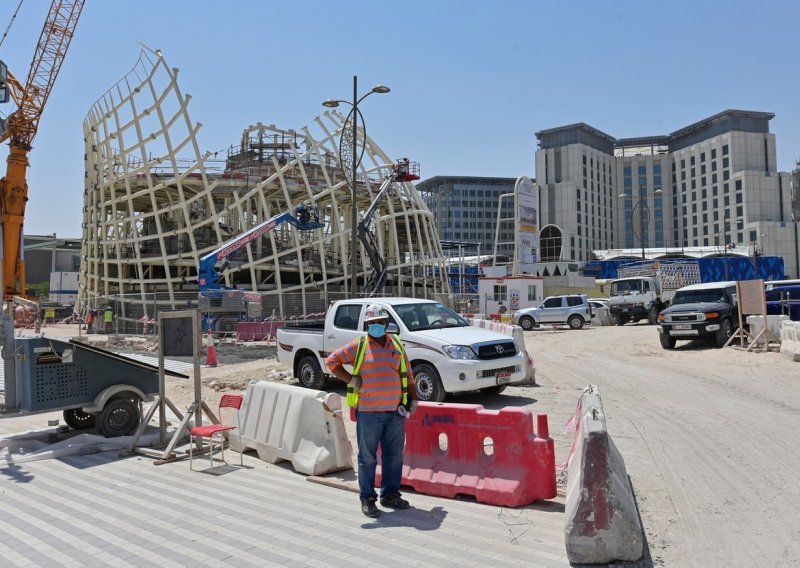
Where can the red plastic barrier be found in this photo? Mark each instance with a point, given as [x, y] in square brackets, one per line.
[257, 331]
[493, 455]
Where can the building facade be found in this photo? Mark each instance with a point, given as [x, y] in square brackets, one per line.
[466, 210]
[713, 183]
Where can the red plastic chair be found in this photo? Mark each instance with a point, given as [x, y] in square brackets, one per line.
[215, 433]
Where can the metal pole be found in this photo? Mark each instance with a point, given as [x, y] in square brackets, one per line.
[354, 209]
[725, 244]
[641, 220]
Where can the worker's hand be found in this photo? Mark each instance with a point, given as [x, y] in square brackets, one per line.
[355, 381]
[412, 406]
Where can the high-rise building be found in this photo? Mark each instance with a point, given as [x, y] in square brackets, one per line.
[712, 183]
[466, 209]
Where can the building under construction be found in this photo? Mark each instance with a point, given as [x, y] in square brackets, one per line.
[155, 204]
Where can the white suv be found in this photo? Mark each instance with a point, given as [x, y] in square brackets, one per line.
[573, 310]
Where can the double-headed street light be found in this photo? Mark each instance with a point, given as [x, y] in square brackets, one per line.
[349, 159]
[641, 204]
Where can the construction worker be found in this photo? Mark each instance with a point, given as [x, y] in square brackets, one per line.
[108, 318]
[381, 388]
[89, 321]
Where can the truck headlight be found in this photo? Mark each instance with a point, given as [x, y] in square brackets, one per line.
[459, 351]
[701, 317]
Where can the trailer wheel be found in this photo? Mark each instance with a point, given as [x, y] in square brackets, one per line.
[309, 373]
[77, 419]
[120, 417]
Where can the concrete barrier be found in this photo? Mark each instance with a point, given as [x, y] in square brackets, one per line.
[295, 424]
[602, 523]
[790, 340]
[756, 324]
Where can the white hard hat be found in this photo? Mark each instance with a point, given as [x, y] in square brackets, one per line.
[375, 312]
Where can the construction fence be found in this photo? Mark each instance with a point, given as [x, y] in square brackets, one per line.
[138, 313]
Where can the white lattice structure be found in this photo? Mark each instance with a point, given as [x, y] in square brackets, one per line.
[154, 203]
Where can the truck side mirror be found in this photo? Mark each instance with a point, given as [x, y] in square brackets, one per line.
[735, 299]
[392, 328]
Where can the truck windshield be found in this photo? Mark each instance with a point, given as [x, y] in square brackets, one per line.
[698, 296]
[626, 287]
[417, 317]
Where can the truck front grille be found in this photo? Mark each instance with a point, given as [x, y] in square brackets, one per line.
[493, 372]
[497, 350]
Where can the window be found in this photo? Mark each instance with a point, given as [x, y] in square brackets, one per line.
[347, 316]
[738, 198]
[692, 163]
[500, 292]
[702, 156]
[532, 297]
[574, 301]
[725, 150]
[713, 153]
[738, 185]
[552, 303]
[725, 163]
[740, 211]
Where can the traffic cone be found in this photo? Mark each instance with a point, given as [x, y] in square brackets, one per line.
[211, 353]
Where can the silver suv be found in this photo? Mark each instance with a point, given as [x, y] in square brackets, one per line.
[573, 310]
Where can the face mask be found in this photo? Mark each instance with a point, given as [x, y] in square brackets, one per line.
[377, 330]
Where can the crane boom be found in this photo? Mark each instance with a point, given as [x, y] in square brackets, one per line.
[208, 277]
[23, 123]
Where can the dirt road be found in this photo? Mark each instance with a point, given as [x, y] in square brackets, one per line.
[708, 437]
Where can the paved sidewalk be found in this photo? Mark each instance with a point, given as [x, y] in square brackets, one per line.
[107, 510]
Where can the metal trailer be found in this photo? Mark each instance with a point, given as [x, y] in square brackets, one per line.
[90, 385]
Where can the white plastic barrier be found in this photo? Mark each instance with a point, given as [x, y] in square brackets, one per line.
[602, 316]
[291, 423]
[756, 324]
[790, 340]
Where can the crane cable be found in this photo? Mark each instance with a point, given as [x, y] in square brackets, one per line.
[14, 17]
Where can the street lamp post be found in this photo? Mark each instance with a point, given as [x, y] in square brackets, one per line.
[641, 203]
[349, 159]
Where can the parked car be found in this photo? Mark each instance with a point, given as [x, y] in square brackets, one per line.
[446, 353]
[700, 311]
[573, 310]
[598, 303]
[784, 300]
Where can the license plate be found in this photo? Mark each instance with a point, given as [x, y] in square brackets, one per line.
[682, 326]
[503, 378]
[624, 309]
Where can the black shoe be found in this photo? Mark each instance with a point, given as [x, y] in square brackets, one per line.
[394, 501]
[369, 509]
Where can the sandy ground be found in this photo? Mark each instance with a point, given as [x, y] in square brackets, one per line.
[706, 434]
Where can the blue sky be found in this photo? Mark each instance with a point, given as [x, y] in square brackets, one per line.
[471, 81]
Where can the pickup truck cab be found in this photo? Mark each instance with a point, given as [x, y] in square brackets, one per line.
[700, 311]
[447, 354]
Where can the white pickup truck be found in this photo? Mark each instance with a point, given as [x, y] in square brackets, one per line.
[447, 354]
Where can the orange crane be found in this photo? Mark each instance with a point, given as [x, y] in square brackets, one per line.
[22, 125]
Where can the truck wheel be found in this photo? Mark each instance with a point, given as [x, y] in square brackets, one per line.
[575, 322]
[427, 382]
[226, 326]
[652, 315]
[309, 373]
[620, 319]
[77, 419]
[120, 417]
[724, 333]
[493, 391]
[667, 342]
[527, 323]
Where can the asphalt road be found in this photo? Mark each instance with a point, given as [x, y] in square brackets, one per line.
[708, 437]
